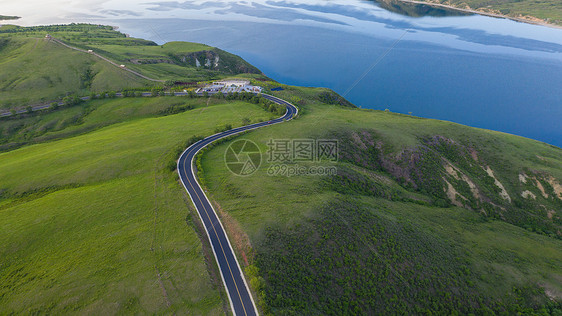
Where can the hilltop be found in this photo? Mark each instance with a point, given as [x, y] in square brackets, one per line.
[421, 216]
[37, 69]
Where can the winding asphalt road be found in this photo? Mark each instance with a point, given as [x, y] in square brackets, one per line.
[239, 294]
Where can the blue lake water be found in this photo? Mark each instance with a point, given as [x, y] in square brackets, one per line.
[479, 71]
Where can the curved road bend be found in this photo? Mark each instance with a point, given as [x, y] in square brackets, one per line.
[241, 300]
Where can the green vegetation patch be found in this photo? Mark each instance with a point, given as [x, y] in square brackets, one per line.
[359, 258]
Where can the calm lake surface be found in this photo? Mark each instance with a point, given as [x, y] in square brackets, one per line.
[479, 71]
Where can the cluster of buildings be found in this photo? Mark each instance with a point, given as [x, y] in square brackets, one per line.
[229, 86]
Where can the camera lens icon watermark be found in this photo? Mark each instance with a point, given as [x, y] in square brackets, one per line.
[243, 157]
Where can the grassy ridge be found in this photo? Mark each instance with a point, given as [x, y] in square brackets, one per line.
[85, 117]
[97, 223]
[35, 69]
[174, 60]
[382, 241]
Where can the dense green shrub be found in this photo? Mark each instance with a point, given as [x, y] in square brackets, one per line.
[349, 260]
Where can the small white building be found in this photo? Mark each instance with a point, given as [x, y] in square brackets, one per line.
[232, 82]
[231, 86]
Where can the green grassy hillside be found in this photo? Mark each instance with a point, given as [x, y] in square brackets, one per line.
[411, 223]
[35, 69]
[74, 120]
[95, 223]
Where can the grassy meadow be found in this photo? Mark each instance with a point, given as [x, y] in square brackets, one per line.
[35, 70]
[97, 223]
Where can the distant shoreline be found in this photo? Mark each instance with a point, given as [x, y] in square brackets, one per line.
[9, 17]
[490, 14]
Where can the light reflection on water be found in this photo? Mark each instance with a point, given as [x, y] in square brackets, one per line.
[475, 70]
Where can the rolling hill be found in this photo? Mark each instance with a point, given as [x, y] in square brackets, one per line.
[95, 222]
[422, 216]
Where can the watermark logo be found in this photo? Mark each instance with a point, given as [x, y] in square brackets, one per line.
[301, 157]
[302, 150]
[292, 170]
[286, 157]
[243, 157]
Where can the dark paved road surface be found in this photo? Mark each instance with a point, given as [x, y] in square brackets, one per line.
[238, 293]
